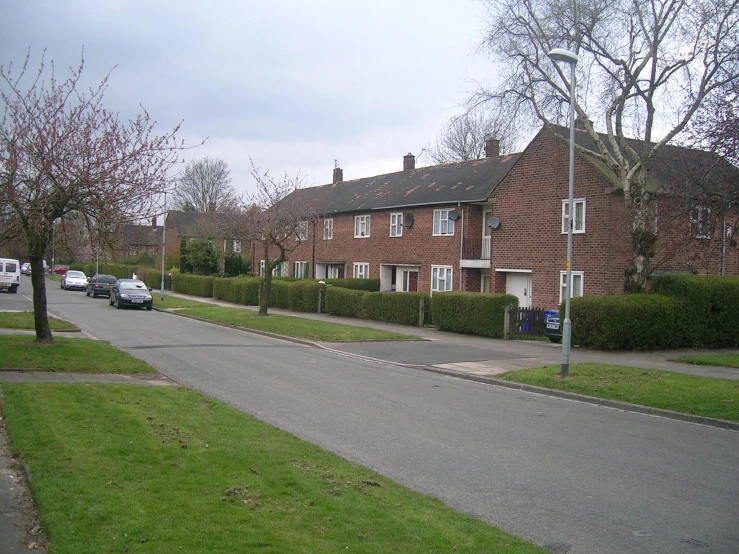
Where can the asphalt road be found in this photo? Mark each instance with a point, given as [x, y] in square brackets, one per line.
[568, 476]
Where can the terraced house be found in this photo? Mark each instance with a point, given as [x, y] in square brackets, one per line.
[499, 224]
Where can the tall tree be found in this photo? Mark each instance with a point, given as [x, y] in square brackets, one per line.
[204, 185]
[280, 222]
[645, 69]
[62, 152]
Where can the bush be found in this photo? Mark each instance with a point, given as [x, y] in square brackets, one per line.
[235, 264]
[629, 322]
[393, 307]
[238, 290]
[279, 293]
[344, 302]
[471, 312]
[197, 285]
[370, 285]
[303, 295]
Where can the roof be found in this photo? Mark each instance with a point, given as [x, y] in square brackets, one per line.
[466, 182]
[196, 224]
[142, 235]
[671, 164]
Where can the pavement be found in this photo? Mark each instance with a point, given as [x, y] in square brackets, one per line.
[475, 358]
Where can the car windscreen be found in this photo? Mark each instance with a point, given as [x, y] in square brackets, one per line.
[75, 274]
[132, 285]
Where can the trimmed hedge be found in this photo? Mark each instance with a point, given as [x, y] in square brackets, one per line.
[369, 285]
[303, 295]
[471, 312]
[238, 290]
[197, 285]
[629, 322]
[344, 302]
[711, 306]
[279, 294]
[394, 307]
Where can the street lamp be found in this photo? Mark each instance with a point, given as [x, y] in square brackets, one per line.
[164, 229]
[562, 55]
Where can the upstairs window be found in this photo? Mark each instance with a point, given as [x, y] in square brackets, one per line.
[328, 229]
[396, 224]
[362, 226]
[443, 224]
[579, 226]
[700, 222]
[302, 231]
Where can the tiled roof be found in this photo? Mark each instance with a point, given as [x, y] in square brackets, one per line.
[440, 184]
[195, 224]
[142, 235]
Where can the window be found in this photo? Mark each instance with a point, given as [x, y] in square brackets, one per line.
[396, 224]
[302, 231]
[579, 215]
[300, 270]
[328, 229]
[361, 226]
[700, 226]
[361, 271]
[443, 224]
[577, 284]
[237, 246]
[441, 278]
[261, 268]
[333, 272]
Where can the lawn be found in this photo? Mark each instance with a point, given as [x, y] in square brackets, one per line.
[67, 354]
[175, 302]
[24, 320]
[690, 394]
[169, 470]
[724, 360]
[290, 326]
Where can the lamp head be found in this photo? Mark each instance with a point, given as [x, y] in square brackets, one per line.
[562, 55]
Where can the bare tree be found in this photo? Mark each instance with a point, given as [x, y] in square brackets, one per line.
[463, 137]
[645, 67]
[280, 222]
[205, 185]
[62, 152]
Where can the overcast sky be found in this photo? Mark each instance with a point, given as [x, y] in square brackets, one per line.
[294, 84]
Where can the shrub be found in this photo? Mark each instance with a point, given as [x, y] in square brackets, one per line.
[197, 285]
[392, 307]
[344, 302]
[471, 312]
[628, 322]
[279, 293]
[370, 285]
[303, 295]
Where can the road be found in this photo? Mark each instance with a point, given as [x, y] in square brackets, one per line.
[571, 477]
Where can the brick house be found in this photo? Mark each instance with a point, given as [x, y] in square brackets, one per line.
[192, 226]
[141, 238]
[495, 225]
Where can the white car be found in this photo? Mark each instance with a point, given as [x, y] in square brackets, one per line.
[74, 280]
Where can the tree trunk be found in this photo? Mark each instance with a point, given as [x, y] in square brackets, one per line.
[38, 280]
[266, 285]
[643, 238]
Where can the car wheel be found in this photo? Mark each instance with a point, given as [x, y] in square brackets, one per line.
[61, 285]
[110, 300]
[117, 304]
[148, 308]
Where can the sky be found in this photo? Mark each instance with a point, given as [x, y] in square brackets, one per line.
[294, 85]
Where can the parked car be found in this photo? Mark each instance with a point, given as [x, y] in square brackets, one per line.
[74, 280]
[130, 292]
[552, 327]
[60, 269]
[100, 285]
[10, 274]
[26, 268]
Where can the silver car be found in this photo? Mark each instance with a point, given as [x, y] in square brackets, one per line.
[74, 280]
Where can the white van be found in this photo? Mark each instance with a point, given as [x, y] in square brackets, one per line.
[10, 274]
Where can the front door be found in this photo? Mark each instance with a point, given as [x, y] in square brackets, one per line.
[413, 281]
[519, 285]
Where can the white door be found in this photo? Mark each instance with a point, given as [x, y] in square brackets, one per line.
[519, 284]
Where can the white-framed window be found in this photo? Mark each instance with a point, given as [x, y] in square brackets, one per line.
[302, 231]
[361, 271]
[333, 272]
[579, 226]
[441, 278]
[443, 224]
[300, 270]
[328, 229]
[578, 277]
[396, 224]
[236, 245]
[361, 226]
[700, 226]
[261, 268]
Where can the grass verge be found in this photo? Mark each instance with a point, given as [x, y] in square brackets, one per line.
[174, 302]
[169, 470]
[67, 354]
[723, 360]
[24, 320]
[690, 394]
[296, 327]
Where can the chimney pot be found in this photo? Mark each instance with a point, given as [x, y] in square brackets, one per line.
[492, 148]
[409, 162]
[338, 175]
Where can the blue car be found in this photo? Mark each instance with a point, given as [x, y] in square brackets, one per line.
[552, 327]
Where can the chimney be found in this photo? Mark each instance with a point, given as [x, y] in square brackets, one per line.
[409, 162]
[338, 175]
[154, 223]
[492, 148]
[580, 123]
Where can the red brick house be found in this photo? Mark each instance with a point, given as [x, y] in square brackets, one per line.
[493, 225]
[198, 225]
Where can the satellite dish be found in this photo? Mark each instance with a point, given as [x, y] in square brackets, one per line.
[493, 222]
[454, 216]
[408, 220]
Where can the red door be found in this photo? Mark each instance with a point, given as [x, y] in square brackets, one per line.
[413, 281]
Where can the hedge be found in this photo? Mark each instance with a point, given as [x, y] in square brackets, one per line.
[394, 307]
[629, 322]
[197, 285]
[471, 312]
[240, 290]
[344, 302]
[369, 285]
[303, 295]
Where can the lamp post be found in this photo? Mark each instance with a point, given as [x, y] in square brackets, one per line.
[164, 230]
[562, 55]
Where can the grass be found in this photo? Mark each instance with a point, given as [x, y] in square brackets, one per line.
[151, 470]
[690, 394]
[724, 360]
[296, 327]
[67, 354]
[174, 302]
[24, 320]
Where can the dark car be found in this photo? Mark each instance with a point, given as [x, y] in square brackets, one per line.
[552, 327]
[100, 285]
[130, 292]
